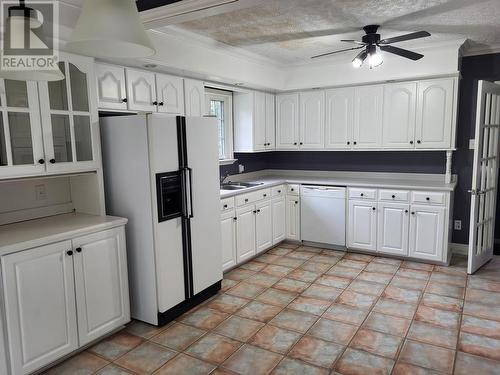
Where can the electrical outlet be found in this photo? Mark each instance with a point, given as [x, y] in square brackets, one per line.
[40, 192]
[458, 224]
[241, 168]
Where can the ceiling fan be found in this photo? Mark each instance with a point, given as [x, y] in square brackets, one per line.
[371, 45]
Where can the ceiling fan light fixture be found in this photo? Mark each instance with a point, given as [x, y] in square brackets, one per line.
[375, 58]
[359, 59]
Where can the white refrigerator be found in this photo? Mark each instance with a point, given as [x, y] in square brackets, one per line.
[162, 173]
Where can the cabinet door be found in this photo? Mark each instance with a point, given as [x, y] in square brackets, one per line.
[69, 117]
[293, 218]
[194, 98]
[259, 121]
[339, 118]
[393, 228]
[228, 225]
[427, 229]
[40, 306]
[245, 233]
[141, 91]
[400, 100]
[279, 220]
[111, 87]
[270, 121]
[368, 117]
[170, 94]
[287, 121]
[362, 230]
[435, 113]
[263, 226]
[101, 283]
[312, 120]
[21, 145]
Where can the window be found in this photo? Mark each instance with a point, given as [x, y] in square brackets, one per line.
[220, 105]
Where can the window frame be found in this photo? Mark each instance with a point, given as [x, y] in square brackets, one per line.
[227, 98]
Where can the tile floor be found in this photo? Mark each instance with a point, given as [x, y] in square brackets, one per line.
[301, 310]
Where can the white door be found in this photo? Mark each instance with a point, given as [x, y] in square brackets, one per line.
[279, 220]
[228, 226]
[194, 98]
[393, 228]
[427, 230]
[293, 218]
[362, 227]
[141, 91]
[270, 121]
[101, 283]
[435, 113]
[245, 233]
[259, 121]
[111, 87]
[40, 307]
[263, 226]
[312, 120]
[484, 176]
[287, 121]
[367, 131]
[400, 100]
[170, 94]
[339, 118]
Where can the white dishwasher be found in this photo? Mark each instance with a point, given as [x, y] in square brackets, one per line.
[323, 214]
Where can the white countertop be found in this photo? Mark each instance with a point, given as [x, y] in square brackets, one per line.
[350, 179]
[38, 232]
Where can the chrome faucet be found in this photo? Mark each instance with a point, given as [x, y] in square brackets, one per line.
[223, 178]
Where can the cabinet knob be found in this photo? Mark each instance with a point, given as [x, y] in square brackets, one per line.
[78, 249]
[254, 211]
[124, 100]
[279, 191]
[225, 206]
[70, 252]
[258, 211]
[406, 211]
[301, 143]
[41, 161]
[292, 189]
[355, 142]
[246, 199]
[296, 202]
[348, 143]
[419, 141]
[393, 196]
[235, 218]
[52, 161]
[161, 104]
[295, 143]
[411, 142]
[264, 195]
[413, 213]
[373, 208]
[427, 199]
[362, 194]
[155, 103]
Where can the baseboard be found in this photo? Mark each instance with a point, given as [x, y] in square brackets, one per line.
[459, 248]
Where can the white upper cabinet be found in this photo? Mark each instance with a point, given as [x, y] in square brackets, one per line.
[141, 91]
[194, 98]
[111, 87]
[312, 120]
[271, 121]
[287, 121]
[400, 102]
[170, 94]
[368, 106]
[259, 121]
[339, 118]
[436, 114]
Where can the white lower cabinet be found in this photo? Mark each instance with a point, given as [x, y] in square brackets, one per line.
[393, 228]
[61, 296]
[263, 226]
[279, 219]
[362, 231]
[228, 225]
[293, 218]
[245, 233]
[427, 232]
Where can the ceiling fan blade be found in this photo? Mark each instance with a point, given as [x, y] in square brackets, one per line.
[353, 41]
[401, 38]
[402, 52]
[331, 53]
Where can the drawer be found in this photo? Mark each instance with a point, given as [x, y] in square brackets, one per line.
[278, 191]
[394, 195]
[293, 189]
[252, 197]
[428, 197]
[361, 193]
[227, 204]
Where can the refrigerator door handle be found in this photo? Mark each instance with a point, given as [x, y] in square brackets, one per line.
[190, 195]
[184, 193]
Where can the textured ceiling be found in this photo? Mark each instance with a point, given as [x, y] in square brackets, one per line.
[291, 31]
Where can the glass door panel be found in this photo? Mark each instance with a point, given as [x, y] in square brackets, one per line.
[61, 138]
[83, 138]
[58, 93]
[79, 89]
[20, 138]
[16, 93]
[3, 146]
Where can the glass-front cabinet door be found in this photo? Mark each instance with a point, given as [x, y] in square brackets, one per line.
[69, 118]
[21, 144]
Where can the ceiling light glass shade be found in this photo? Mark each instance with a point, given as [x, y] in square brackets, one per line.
[375, 59]
[110, 28]
[32, 75]
[359, 59]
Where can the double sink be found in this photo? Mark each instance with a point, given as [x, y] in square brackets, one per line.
[239, 185]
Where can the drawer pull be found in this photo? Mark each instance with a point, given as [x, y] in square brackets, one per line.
[413, 213]
[362, 195]
[225, 206]
[246, 199]
[264, 195]
[279, 191]
[235, 218]
[292, 189]
[393, 197]
[406, 211]
[254, 211]
[78, 249]
[70, 253]
[427, 198]
[373, 208]
[296, 202]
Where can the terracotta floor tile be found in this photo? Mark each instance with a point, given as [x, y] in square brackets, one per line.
[333, 281]
[325, 259]
[117, 345]
[276, 297]
[478, 326]
[428, 356]
[451, 270]
[334, 253]
[468, 364]
[387, 324]
[407, 369]
[359, 257]
[288, 262]
[178, 336]
[484, 284]
[226, 303]
[290, 245]
[239, 274]
[449, 279]
[391, 261]
[402, 295]
[113, 370]
[246, 290]
[433, 335]
[262, 312]
[482, 311]
[382, 268]
[303, 275]
[346, 272]
[267, 258]
[479, 345]
[442, 302]
[417, 265]
[185, 365]
[290, 366]
[322, 292]
[309, 305]
[213, 348]
[204, 318]
[482, 296]
[445, 290]
[222, 371]
[250, 360]
[294, 320]
[441, 318]
[346, 314]
[228, 284]
[305, 255]
[395, 308]
[84, 363]
[352, 264]
[280, 251]
[253, 266]
[376, 343]
[357, 362]
[262, 279]
[358, 300]
[375, 277]
[407, 283]
[330, 330]
[316, 267]
[275, 339]
[146, 358]
[413, 274]
[143, 330]
[291, 285]
[275, 270]
[239, 328]
[315, 351]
